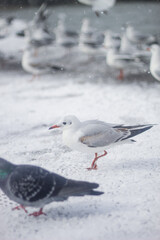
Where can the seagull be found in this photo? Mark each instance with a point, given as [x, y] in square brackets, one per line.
[137, 37]
[33, 186]
[42, 60]
[95, 136]
[111, 40]
[155, 61]
[99, 6]
[37, 29]
[90, 41]
[118, 60]
[41, 16]
[65, 37]
[128, 47]
[5, 25]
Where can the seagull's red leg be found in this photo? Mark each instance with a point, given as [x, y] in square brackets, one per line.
[121, 75]
[20, 207]
[94, 165]
[36, 214]
[34, 76]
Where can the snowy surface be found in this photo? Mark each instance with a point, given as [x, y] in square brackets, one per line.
[129, 174]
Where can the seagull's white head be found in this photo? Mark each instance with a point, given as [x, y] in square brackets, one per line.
[129, 28]
[154, 48]
[66, 122]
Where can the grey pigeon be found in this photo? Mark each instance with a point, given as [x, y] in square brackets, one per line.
[33, 186]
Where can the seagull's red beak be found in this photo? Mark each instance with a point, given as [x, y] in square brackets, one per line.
[54, 126]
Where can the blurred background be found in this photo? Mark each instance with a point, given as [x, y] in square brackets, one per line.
[4, 3]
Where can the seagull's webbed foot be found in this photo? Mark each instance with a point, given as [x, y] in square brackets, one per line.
[95, 167]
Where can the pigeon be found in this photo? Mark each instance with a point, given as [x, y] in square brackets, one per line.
[94, 136]
[33, 186]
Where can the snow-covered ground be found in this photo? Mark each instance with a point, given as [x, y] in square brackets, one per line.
[129, 174]
[129, 209]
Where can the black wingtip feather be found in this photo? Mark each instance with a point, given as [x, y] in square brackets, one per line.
[140, 130]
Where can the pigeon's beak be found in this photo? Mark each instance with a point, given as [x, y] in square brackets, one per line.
[148, 49]
[54, 126]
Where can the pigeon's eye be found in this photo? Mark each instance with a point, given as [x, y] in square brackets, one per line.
[64, 123]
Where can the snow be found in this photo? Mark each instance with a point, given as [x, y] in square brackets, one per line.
[129, 209]
[129, 174]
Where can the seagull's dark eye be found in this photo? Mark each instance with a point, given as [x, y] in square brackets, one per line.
[64, 123]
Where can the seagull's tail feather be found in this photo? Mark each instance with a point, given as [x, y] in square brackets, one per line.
[79, 188]
[135, 130]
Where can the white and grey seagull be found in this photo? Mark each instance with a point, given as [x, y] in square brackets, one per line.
[99, 6]
[155, 61]
[95, 136]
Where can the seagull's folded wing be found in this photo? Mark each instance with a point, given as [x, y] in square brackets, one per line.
[157, 73]
[39, 66]
[127, 58]
[100, 135]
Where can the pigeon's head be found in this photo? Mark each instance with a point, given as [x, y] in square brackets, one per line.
[66, 122]
[5, 168]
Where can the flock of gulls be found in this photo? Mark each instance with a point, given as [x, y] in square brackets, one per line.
[45, 50]
[32, 186]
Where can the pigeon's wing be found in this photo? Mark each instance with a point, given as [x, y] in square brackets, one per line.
[79, 188]
[31, 183]
[96, 135]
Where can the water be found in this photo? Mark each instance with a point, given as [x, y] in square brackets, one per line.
[144, 16]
